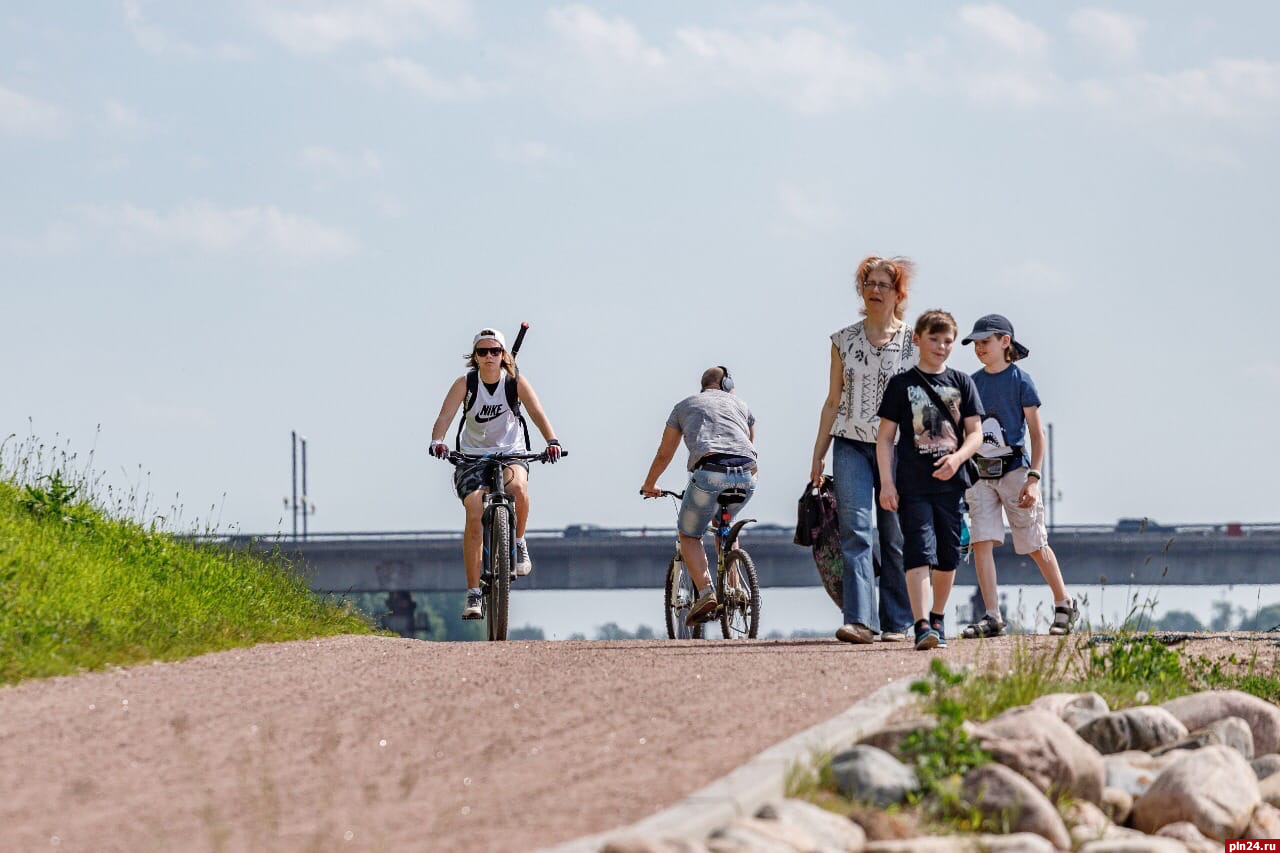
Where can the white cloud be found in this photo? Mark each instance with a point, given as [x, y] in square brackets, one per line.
[124, 119]
[1116, 36]
[330, 164]
[1226, 89]
[999, 26]
[158, 41]
[311, 26]
[806, 69]
[420, 79]
[23, 115]
[530, 152]
[204, 227]
[1005, 87]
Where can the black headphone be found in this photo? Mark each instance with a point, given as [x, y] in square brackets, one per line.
[726, 381]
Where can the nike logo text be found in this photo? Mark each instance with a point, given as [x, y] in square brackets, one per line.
[488, 413]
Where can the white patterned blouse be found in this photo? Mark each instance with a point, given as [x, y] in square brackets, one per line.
[867, 371]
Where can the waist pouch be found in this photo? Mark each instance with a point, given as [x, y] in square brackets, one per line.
[995, 467]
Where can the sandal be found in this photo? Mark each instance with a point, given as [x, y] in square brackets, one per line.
[1064, 618]
[987, 626]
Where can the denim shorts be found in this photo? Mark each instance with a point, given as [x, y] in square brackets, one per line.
[931, 530]
[699, 504]
[469, 476]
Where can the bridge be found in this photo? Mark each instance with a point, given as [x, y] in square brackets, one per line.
[637, 558]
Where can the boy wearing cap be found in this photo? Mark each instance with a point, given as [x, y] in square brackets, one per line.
[1009, 480]
[492, 423]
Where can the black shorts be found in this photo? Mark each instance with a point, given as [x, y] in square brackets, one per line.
[469, 476]
[931, 530]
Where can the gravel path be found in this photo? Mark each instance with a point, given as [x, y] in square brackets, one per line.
[374, 743]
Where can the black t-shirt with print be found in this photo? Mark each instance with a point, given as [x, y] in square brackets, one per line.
[924, 433]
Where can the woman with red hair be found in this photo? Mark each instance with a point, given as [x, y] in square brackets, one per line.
[864, 356]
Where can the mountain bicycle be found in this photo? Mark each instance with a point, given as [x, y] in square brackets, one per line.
[498, 533]
[737, 585]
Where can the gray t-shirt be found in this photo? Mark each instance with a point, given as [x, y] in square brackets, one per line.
[714, 421]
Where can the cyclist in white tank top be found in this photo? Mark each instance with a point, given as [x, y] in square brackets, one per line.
[491, 425]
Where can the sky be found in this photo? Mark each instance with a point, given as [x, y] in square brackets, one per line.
[221, 222]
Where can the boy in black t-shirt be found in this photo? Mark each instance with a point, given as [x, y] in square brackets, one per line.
[930, 468]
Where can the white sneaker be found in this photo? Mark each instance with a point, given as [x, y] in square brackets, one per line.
[474, 608]
[893, 636]
[524, 565]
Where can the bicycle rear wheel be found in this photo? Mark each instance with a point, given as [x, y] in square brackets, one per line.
[498, 596]
[740, 599]
[677, 598]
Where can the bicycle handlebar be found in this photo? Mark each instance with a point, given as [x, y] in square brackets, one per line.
[455, 457]
[666, 494]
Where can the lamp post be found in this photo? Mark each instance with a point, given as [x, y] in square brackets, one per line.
[294, 504]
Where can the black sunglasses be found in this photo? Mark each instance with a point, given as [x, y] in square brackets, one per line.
[488, 350]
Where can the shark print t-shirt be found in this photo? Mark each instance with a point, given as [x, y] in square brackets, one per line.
[925, 433]
[1005, 397]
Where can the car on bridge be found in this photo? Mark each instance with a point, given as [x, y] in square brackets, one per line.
[580, 531]
[1143, 525]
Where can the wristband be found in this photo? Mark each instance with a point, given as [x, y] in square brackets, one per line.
[553, 442]
[1032, 472]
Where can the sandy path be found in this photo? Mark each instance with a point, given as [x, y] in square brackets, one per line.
[371, 743]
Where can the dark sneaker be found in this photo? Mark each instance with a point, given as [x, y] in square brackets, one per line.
[855, 633]
[475, 606]
[987, 626]
[926, 638]
[939, 628]
[703, 607]
[1064, 618]
[523, 565]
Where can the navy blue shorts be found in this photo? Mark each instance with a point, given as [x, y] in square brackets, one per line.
[931, 530]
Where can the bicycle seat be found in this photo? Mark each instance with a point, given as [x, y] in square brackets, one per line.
[730, 498]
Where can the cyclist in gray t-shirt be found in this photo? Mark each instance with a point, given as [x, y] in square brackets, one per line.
[719, 431]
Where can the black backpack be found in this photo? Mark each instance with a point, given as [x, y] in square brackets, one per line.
[513, 403]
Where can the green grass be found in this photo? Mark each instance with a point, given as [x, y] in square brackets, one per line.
[81, 590]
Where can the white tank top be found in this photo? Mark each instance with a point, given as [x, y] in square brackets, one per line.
[490, 426]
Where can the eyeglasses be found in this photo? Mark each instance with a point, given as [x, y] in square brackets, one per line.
[483, 351]
[877, 285]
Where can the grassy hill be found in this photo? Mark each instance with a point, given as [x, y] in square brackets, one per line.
[81, 590]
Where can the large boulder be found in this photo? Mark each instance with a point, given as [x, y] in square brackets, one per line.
[1201, 709]
[1117, 803]
[654, 845]
[1229, 731]
[997, 791]
[1040, 746]
[889, 737]
[1075, 709]
[1214, 788]
[1269, 789]
[1133, 771]
[763, 836]
[1136, 843]
[1144, 727]
[830, 831]
[866, 774]
[1086, 822]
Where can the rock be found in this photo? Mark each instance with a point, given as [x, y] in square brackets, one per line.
[1137, 844]
[1269, 789]
[1040, 746]
[1212, 787]
[1117, 803]
[829, 830]
[1075, 709]
[1133, 771]
[997, 791]
[761, 836]
[650, 845]
[1195, 840]
[882, 826]
[925, 844]
[1201, 709]
[889, 738]
[1265, 765]
[1144, 727]
[1018, 842]
[1265, 822]
[1086, 821]
[866, 774]
[1229, 731]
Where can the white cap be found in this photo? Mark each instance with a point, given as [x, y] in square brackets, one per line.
[489, 333]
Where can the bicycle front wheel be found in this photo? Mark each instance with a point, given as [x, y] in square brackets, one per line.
[739, 597]
[498, 595]
[677, 598]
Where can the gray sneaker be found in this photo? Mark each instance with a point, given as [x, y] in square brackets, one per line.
[703, 608]
[475, 606]
[524, 565]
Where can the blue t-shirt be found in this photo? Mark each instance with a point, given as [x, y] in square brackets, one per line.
[1004, 423]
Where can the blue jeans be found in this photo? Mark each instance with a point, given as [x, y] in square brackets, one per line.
[699, 504]
[857, 482]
